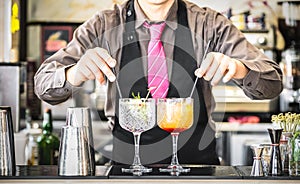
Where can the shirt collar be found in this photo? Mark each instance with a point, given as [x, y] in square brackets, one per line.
[171, 20]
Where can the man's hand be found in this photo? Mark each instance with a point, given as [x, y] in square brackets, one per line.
[217, 66]
[96, 63]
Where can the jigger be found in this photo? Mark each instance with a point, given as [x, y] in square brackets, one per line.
[257, 169]
[275, 162]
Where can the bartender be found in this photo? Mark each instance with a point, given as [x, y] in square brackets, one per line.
[167, 39]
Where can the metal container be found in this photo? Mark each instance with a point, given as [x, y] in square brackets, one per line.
[7, 152]
[257, 169]
[12, 87]
[76, 153]
[275, 162]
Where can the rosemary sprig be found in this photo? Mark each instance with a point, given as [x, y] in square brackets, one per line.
[143, 109]
[138, 96]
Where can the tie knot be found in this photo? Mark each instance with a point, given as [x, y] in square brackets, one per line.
[155, 30]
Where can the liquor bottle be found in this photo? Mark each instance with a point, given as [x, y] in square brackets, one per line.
[33, 132]
[48, 143]
[31, 149]
[28, 120]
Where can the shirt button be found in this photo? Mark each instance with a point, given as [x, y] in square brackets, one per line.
[129, 13]
[249, 84]
[130, 37]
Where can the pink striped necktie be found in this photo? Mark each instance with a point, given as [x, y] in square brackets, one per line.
[158, 81]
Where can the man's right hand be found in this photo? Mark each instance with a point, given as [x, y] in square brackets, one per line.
[96, 63]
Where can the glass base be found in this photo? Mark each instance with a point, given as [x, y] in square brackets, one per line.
[175, 170]
[137, 170]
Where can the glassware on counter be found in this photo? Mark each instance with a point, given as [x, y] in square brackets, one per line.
[265, 158]
[284, 149]
[175, 115]
[137, 116]
[294, 156]
[47, 142]
[289, 122]
[31, 148]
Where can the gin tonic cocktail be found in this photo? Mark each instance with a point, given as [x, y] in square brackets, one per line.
[137, 116]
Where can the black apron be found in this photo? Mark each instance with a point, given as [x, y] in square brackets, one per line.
[196, 145]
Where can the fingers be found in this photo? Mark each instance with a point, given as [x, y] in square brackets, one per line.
[99, 68]
[232, 68]
[222, 69]
[106, 57]
[215, 67]
[212, 69]
[105, 62]
[201, 71]
[91, 71]
[96, 64]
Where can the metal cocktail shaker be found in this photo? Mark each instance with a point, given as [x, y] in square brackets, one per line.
[7, 147]
[275, 162]
[76, 153]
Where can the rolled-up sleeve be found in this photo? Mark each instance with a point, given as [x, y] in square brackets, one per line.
[264, 80]
[51, 85]
[50, 80]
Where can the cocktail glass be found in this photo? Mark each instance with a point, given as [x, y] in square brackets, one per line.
[137, 116]
[175, 115]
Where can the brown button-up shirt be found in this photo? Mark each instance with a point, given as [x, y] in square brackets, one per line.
[262, 82]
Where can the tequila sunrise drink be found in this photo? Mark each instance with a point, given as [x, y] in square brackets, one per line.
[175, 115]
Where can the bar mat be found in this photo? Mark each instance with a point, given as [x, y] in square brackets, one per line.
[197, 171]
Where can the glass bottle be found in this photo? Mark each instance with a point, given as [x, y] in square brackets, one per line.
[285, 137]
[28, 119]
[31, 149]
[294, 156]
[33, 132]
[48, 143]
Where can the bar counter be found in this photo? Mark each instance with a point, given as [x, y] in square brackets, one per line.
[112, 174]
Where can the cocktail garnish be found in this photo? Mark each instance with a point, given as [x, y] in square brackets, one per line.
[138, 96]
[149, 90]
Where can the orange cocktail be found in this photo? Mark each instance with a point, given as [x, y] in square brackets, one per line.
[175, 115]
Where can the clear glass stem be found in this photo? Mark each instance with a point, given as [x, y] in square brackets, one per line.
[136, 159]
[174, 143]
